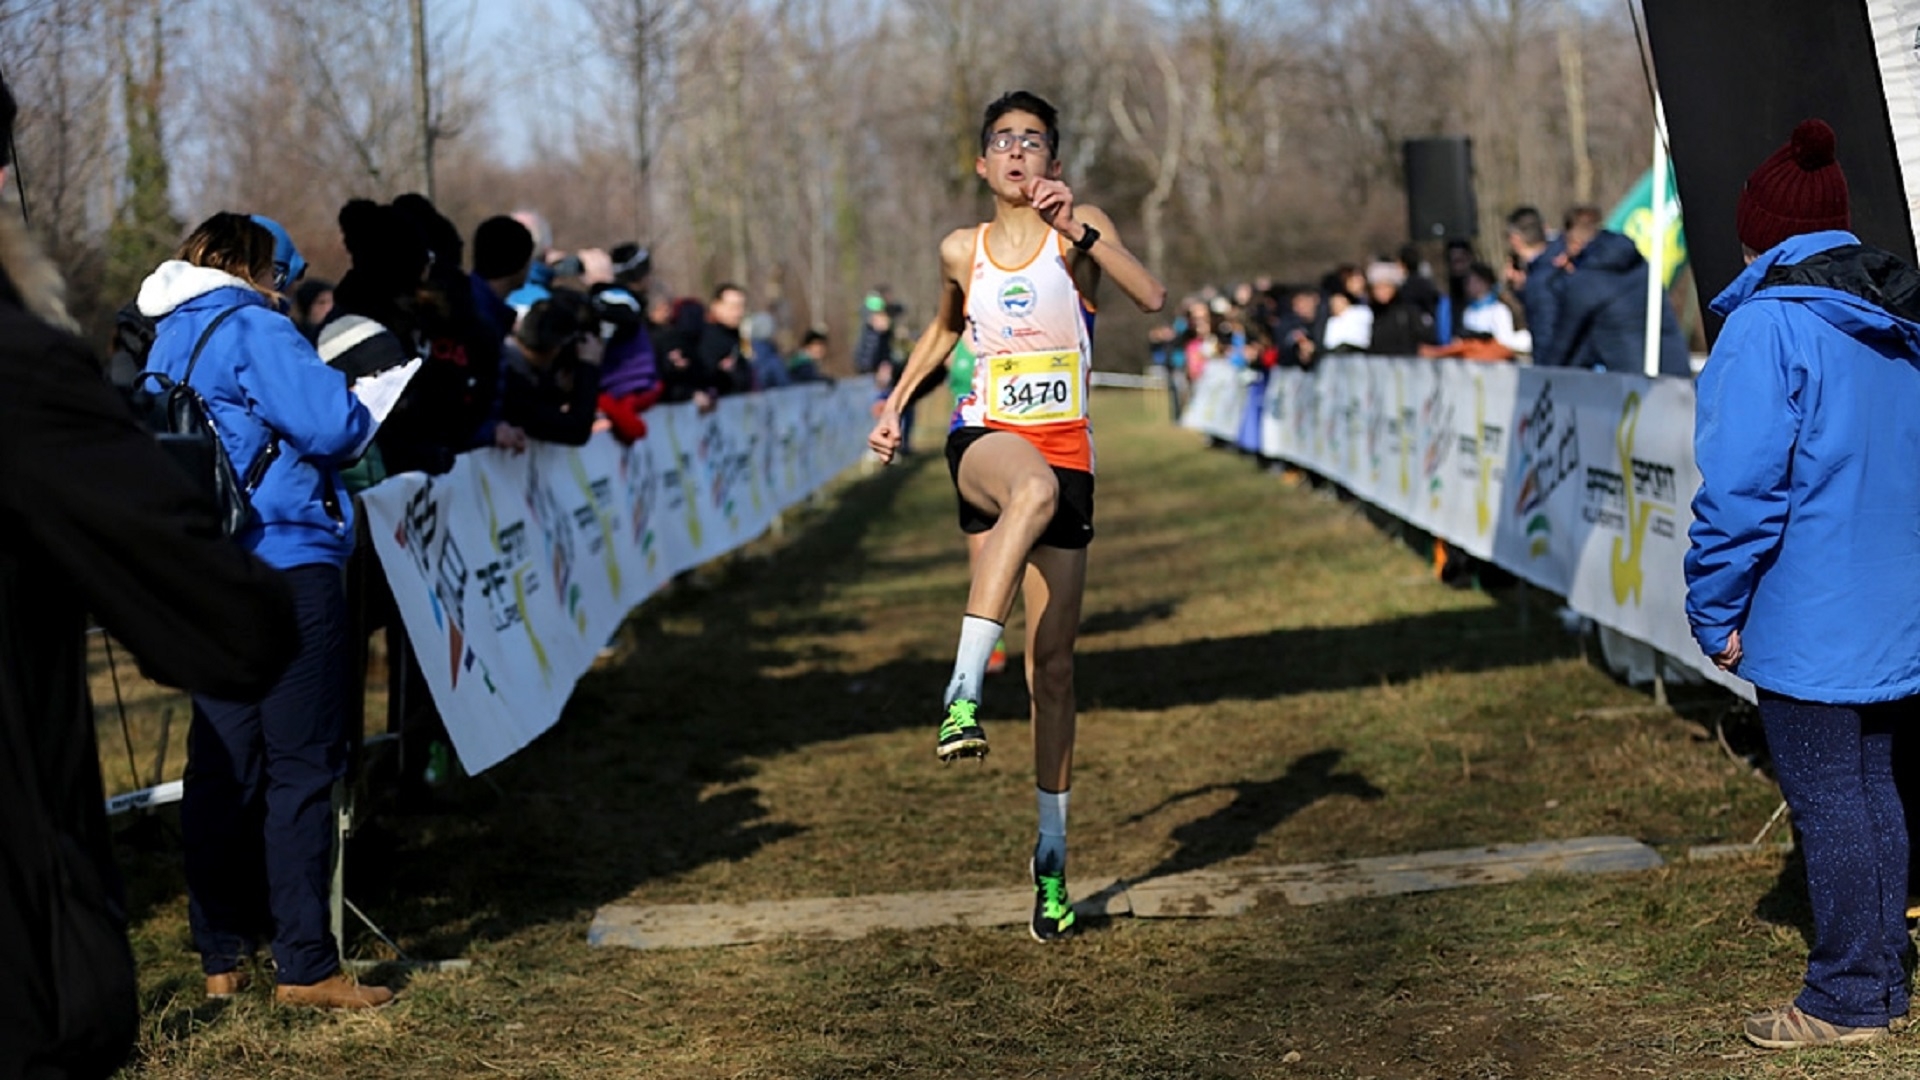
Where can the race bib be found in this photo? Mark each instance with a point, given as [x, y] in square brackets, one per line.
[1034, 388]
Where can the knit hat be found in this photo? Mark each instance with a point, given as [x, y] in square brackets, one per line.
[1386, 273]
[449, 250]
[631, 262]
[287, 263]
[502, 247]
[383, 244]
[1799, 189]
[356, 345]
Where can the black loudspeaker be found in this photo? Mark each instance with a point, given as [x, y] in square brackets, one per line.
[1440, 203]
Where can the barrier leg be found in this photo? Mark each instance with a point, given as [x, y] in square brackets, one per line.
[337, 895]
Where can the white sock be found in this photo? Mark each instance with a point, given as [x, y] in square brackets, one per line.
[1052, 848]
[977, 636]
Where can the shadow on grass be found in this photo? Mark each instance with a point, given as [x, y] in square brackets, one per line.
[1258, 806]
[1786, 903]
[622, 791]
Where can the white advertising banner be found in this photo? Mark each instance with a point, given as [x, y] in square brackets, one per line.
[1219, 398]
[1580, 482]
[512, 570]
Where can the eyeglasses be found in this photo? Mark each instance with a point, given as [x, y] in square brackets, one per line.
[1031, 142]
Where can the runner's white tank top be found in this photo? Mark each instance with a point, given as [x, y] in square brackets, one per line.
[1032, 333]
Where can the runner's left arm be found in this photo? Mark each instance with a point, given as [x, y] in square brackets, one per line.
[1053, 200]
[1111, 258]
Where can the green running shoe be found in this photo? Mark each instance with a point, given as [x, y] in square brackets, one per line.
[1052, 914]
[960, 736]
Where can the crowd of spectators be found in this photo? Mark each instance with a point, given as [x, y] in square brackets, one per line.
[1572, 298]
[508, 341]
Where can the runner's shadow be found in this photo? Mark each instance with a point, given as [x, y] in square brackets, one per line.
[1258, 806]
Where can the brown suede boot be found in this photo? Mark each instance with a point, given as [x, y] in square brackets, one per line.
[336, 991]
[227, 984]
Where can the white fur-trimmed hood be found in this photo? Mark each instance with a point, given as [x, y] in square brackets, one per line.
[175, 282]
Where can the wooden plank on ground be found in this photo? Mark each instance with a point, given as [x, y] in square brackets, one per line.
[1200, 893]
[839, 918]
[1203, 893]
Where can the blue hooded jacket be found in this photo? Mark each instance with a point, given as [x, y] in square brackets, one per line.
[261, 378]
[1600, 313]
[1806, 535]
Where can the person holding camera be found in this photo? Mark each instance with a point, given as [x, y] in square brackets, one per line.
[553, 369]
[256, 818]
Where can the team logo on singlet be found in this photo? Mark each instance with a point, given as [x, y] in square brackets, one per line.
[1016, 297]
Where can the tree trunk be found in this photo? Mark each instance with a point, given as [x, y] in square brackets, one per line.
[422, 97]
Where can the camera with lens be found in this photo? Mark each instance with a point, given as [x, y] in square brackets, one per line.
[631, 264]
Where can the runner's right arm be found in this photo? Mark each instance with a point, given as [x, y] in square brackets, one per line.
[939, 338]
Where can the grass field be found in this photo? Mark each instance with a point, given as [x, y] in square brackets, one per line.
[1265, 677]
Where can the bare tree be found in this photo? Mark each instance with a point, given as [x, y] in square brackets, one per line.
[814, 148]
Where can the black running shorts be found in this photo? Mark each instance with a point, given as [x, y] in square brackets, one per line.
[1072, 524]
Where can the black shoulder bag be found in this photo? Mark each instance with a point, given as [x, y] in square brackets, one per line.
[183, 425]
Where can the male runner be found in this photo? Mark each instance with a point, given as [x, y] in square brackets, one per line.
[1021, 289]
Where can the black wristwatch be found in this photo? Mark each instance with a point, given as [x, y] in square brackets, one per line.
[1088, 236]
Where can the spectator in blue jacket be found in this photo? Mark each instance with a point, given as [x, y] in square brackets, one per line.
[255, 818]
[1804, 572]
[1533, 256]
[1599, 292]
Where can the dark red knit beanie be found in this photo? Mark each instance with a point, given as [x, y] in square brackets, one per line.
[1800, 189]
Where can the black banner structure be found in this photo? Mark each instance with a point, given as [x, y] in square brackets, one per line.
[1736, 78]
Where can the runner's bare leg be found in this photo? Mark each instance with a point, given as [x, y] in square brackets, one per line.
[1004, 475]
[1056, 580]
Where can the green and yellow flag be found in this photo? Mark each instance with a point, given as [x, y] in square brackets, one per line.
[1633, 218]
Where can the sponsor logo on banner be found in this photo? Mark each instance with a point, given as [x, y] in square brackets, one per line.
[724, 467]
[1548, 450]
[443, 578]
[1477, 456]
[556, 536]
[681, 487]
[642, 481]
[1403, 419]
[1351, 425]
[1436, 421]
[1379, 423]
[594, 521]
[1638, 498]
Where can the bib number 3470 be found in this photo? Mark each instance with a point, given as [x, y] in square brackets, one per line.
[1035, 388]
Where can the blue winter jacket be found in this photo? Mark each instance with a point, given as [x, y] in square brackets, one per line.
[1600, 314]
[1538, 297]
[1806, 535]
[261, 379]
